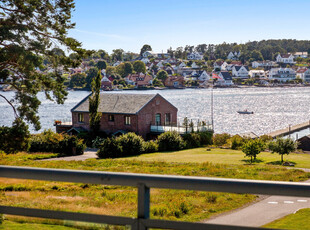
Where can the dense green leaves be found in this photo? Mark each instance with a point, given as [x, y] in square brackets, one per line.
[94, 101]
[31, 32]
[282, 146]
[139, 67]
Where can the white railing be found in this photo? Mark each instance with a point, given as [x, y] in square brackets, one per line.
[144, 182]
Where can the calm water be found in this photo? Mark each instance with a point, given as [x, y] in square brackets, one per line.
[274, 108]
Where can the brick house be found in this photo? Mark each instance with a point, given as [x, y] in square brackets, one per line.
[139, 79]
[127, 113]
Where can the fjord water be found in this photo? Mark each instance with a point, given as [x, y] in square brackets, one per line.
[274, 108]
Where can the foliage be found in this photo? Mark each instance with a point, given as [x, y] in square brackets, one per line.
[157, 83]
[170, 141]
[15, 138]
[91, 74]
[131, 143]
[139, 67]
[205, 137]
[252, 148]
[117, 54]
[97, 142]
[220, 139]
[31, 32]
[236, 142]
[94, 101]
[128, 68]
[150, 146]
[282, 146]
[265, 138]
[144, 48]
[63, 144]
[78, 80]
[110, 148]
[162, 75]
[192, 140]
[101, 64]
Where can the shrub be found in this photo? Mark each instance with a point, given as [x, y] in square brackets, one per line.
[97, 142]
[236, 142]
[169, 141]
[191, 140]
[150, 146]
[206, 137]
[220, 139]
[131, 143]
[15, 138]
[110, 148]
[63, 144]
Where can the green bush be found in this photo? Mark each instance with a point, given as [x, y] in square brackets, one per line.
[110, 148]
[191, 140]
[236, 142]
[170, 141]
[220, 139]
[97, 142]
[150, 146]
[206, 137]
[63, 144]
[15, 138]
[131, 143]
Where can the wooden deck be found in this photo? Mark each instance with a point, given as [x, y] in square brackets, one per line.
[289, 130]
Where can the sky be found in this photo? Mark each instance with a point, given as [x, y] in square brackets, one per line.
[129, 24]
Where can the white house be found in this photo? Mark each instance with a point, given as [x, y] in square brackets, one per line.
[224, 79]
[240, 71]
[145, 60]
[194, 65]
[285, 58]
[203, 76]
[149, 54]
[282, 74]
[257, 73]
[233, 56]
[182, 65]
[304, 74]
[160, 64]
[217, 65]
[195, 56]
[116, 63]
[263, 64]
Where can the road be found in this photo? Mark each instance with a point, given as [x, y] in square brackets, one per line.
[264, 211]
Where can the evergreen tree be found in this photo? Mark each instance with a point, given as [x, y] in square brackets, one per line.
[94, 101]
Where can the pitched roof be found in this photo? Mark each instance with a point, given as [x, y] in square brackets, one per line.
[237, 67]
[226, 75]
[285, 55]
[117, 103]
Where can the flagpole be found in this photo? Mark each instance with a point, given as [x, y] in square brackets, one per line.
[212, 123]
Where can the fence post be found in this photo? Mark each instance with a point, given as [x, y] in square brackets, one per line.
[143, 205]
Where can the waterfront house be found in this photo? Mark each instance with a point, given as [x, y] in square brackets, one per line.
[174, 82]
[194, 65]
[240, 71]
[139, 79]
[257, 73]
[217, 66]
[282, 74]
[264, 64]
[123, 113]
[304, 74]
[224, 79]
[285, 58]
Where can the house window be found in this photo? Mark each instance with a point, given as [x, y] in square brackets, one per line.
[167, 119]
[111, 118]
[80, 117]
[127, 120]
[158, 119]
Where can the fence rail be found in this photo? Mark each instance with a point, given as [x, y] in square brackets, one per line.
[144, 182]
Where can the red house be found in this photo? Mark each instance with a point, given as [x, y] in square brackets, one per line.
[127, 113]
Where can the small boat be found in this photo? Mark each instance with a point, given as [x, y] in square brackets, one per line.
[245, 112]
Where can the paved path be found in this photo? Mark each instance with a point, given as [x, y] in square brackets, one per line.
[264, 211]
[88, 154]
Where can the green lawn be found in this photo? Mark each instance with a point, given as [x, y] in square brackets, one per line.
[222, 156]
[299, 220]
[10, 225]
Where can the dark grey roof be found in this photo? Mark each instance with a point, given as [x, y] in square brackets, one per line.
[237, 67]
[117, 103]
[226, 75]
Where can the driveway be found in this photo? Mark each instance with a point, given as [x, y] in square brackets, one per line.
[88, 154]
[264, 211]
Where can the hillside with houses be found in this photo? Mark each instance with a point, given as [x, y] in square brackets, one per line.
[229, 65]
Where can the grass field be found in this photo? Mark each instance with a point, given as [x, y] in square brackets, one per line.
[165, 204]
[298, 220]
[223, 156]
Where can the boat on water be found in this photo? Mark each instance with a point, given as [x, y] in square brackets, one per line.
[245, 112]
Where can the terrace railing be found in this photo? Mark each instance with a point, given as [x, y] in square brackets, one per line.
[143, 183]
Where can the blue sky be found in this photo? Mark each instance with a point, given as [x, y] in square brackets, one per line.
[129, 24]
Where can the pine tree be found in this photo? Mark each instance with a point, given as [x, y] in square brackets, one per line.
[94, 101]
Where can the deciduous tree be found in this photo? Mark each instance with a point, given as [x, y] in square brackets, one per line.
[144, 48]
[282, 146]
[139, 67]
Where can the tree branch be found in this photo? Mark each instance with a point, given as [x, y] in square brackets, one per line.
[15, 113]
